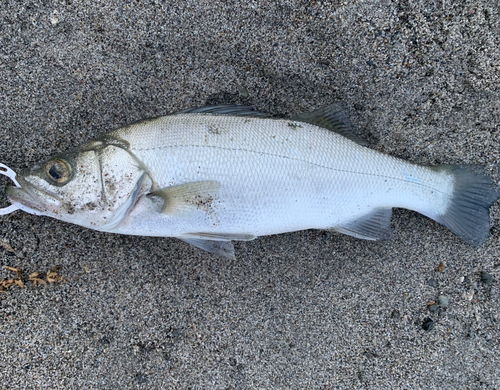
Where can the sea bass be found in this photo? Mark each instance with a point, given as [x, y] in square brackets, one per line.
[215, 174]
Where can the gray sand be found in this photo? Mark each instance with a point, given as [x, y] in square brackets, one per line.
[307, 310]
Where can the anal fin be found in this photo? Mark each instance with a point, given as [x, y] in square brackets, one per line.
[373, 226]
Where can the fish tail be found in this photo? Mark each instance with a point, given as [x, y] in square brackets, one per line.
[467, 214]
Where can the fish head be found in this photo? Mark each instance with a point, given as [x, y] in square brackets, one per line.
[94, 186]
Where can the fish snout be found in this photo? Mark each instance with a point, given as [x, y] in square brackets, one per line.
[33, 200]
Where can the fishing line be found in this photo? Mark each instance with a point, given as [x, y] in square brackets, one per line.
[6, 171]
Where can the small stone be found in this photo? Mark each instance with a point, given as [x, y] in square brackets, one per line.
[440, 267]
[243, 91]
[443, 301]
[486, 278]
[428, 324]
[432, 282]
[433, 308]
[395, 314]
[468, 295]
[54, 18]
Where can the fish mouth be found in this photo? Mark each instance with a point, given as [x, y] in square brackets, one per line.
[32, 199]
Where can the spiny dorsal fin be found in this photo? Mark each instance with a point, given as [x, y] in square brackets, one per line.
[332, 118]
[198, 195]
[233, 110]
[374, 226]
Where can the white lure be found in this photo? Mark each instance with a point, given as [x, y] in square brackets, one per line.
[215, 174]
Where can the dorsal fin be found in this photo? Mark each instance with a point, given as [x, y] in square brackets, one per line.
[332, 118]
[234, 110]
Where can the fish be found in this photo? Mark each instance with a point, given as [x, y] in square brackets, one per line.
[217, 174]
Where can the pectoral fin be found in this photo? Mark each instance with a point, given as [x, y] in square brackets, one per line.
[373, 226]
[193, 196]
[222, 248]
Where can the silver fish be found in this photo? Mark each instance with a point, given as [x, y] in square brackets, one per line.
[215, 174]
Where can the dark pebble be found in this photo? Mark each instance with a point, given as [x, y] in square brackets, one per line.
[433, 308]
[395, 314]
[486, 278]
[432, 282]
[428, 324]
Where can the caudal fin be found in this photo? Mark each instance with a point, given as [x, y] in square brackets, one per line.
[468, 212]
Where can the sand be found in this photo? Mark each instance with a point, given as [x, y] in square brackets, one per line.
[306, 310]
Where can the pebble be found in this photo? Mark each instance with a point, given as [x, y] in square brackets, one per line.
[443, 301]
[432, 282]
[243, 91]
[486, 278]
[428, 324]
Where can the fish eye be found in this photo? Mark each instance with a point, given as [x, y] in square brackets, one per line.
[58, 171]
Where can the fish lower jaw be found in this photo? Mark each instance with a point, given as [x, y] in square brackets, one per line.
[44, 202]
[27, 209]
